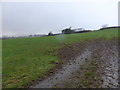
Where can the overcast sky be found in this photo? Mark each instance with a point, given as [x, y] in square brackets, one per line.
[23, 18]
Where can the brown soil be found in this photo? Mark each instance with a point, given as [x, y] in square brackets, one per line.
[75, 61]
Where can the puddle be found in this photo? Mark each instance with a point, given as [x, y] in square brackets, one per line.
[64, 74]
[104, 49]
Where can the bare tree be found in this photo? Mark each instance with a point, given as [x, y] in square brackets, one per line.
[105, 25]
[50, 34]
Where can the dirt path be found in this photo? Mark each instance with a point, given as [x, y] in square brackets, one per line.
[104, 53]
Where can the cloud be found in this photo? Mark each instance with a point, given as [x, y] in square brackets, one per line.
[30, 18]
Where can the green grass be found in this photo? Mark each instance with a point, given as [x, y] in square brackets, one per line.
[26, 59]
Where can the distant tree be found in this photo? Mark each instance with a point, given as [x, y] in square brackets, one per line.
[30, 35]
[70, 28]
[50, 34]
[105, 25]
[79, 29]
[67, 31]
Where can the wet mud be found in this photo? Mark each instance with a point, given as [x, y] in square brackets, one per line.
[102, 52]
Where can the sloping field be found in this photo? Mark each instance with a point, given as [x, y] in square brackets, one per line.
[27, 59]
[93, 64]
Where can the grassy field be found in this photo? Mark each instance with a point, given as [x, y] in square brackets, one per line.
[26, 59]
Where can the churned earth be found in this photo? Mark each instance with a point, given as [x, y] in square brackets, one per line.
[92, 64]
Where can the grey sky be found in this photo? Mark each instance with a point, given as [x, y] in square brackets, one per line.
[19, 18]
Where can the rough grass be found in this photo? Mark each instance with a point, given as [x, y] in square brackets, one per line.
[26, 59]
[90, 78]
[86, 77]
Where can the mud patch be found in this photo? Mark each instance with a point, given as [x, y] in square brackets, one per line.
[101, 54]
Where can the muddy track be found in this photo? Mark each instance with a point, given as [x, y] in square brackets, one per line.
[103, 53]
